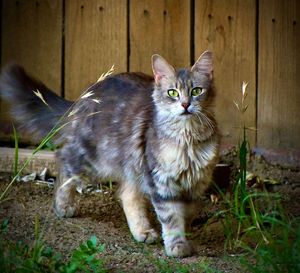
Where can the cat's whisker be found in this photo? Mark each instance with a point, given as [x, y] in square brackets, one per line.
[207, 117]
[209, 113]
[201, 117]
[197, 115]
[207, 120]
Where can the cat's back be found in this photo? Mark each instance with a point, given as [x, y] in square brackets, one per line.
[118, 110]
[125, 86]
[116, 101]
[117, 115]
[123, 98]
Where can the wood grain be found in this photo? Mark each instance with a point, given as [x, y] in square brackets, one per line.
[260, 48]
[31, 36]
[161, 27]
[95, 39]
[41, 160]
[279, 74]
[228, 29]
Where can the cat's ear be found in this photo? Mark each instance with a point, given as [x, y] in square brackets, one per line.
[204, 65]
[161, 68]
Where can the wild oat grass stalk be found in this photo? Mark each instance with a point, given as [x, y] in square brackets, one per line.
[264, 231]
[40, 96]
[241, 208]
[108, 73]
[16, 159]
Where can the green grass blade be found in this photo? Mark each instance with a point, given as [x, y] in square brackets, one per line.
[16, 159]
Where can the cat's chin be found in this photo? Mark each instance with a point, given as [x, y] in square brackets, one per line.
[186, 118]
[186, 114]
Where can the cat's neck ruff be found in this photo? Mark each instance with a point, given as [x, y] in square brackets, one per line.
[186, 150]
[183, 129]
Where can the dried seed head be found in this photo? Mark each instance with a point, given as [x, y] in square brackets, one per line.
[73, 112]
[108, 73]
[40, 96]
[86, 95]
[244, 87]
[236, 104]
[242, 107]
[96, 100]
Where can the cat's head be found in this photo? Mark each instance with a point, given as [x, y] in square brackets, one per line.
[184, 93]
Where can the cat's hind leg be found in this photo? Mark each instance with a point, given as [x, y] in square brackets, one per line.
[172, 215]
[64, 198]
[71, 169]
[134, 205]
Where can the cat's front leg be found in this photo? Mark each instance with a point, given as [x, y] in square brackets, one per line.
[172, 216]
[64, 197]
[134, 205]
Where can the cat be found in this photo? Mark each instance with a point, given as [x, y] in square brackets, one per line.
[157, 136]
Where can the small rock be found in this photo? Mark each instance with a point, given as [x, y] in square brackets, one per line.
[28, 178]
[43, 174]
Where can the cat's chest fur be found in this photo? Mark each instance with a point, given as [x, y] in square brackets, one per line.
[183, 163]
[179, 157]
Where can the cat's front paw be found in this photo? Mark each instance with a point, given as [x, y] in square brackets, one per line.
[65, 210]
[146, 236]
[179, 249]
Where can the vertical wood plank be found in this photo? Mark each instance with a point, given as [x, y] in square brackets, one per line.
[31, 32]
[1, 32]
[161, 27]
[228, 29]
[31, 36]
[95, 39]
[279, 74]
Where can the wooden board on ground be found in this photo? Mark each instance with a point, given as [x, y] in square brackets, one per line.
[41, 160]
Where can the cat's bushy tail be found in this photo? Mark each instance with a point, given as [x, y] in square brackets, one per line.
[26, 107]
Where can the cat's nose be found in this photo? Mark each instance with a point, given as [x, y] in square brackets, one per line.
[185, 105]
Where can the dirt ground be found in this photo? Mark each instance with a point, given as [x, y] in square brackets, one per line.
[101, 215]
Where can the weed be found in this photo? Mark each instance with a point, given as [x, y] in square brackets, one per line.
[16, 159]
[282, 254]
[173, 266]
[240, 209]
[19, 257]
[50, 146]
[263, 230]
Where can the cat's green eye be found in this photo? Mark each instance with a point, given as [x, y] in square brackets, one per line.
[173, 93]
[197, 91]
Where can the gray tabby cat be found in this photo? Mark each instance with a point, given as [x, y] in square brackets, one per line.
[158, 138]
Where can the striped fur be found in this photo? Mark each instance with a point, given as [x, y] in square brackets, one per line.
[160, 148]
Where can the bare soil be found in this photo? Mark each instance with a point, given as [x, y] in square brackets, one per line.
[101, 215]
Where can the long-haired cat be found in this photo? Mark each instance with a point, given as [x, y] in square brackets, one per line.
[156, 136]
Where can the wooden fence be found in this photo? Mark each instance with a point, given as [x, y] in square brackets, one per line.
[69, 43]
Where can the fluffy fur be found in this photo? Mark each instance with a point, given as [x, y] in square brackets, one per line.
[156, 136]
